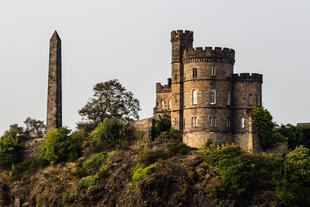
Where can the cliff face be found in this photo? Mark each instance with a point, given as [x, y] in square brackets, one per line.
[178, 176]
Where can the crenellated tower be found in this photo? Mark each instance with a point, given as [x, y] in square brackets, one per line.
[206, 100]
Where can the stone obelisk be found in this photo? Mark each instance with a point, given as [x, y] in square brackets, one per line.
[54, 98]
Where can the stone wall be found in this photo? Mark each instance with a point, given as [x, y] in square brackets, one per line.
[143, 129]
[30, 146]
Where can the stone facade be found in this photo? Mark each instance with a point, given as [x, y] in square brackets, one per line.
[31, 146]
[142, 129]
[54, 99]
[204, 97]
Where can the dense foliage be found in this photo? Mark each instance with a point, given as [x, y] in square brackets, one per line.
[110, 99]
[296, 135]
[10, 148]
[35, 127]
[293, 184]
[59, 146]
[266, 129]
[107, 132]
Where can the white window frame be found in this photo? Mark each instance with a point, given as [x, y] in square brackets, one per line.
[163, 104]
[169, 105]
[242, 122]
[228, 122]
[212, 121]
[213, 96]
[194, 122]
[194, 97]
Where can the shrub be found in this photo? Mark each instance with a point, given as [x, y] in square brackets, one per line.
[177, 148]
[163, 124]
[10, 148]
[87, 182]
[140, 172]
[68, 198]
[233, 165]
[147, 157]
[59, 146]
[96, 160]
[293, 184]
[107, 132]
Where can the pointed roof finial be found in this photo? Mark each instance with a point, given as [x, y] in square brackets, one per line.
[55, 35]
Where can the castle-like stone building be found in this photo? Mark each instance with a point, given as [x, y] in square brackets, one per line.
[205, 98]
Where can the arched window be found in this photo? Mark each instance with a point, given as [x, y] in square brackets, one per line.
[194, 122]
[162, 104]
[213, 97]
[242, 122]
[194, 97]
[169, 105]
[228, 98]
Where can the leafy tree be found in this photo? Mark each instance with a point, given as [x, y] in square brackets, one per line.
[266, 129]
[293, 188]
[163, 124]
[296, 135]
[10, 148]
[107, 132]
[111, 99]
[59, 146]
[35, 127]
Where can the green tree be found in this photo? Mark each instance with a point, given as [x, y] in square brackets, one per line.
[59, 146]
[266, 129]
[293, 186]
[107, 132]
[111, 99]
[35, 127]
[10, 148]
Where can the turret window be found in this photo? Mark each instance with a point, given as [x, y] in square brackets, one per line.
[169, 105]
[212, 121]
[194, 122]
[228, 98]
[228, 122]
[213, 71]
[242, 122]
[213, 97]
[162, 104]
[194, 72]
[194, 97]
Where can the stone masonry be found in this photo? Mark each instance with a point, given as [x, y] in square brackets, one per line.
[204, 97]
[54, 99]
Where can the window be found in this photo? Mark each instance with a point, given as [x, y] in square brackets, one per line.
[213, 97]
[175, 122]
[212, 121]
[228, 98]
[162, 104]
[194, 97]
[213, 71]
[228, 122]
[169, 105]
[194, 122]
[242, 122]
[258, 100]
[175, 77]
[194, 72]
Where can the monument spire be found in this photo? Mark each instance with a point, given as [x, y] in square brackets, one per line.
[54, 98]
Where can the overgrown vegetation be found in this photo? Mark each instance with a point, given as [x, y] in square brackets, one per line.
[59, 146]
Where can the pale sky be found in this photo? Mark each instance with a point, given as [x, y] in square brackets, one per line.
[130, 40]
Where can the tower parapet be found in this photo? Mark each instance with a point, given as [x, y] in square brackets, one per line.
[210, 54]
[177, 35]
[254, 77]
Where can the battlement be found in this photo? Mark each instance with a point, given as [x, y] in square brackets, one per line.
[209, 52]
[255, 77]
[180, 34]
[163, 88]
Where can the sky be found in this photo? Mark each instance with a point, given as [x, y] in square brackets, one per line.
[130, 40]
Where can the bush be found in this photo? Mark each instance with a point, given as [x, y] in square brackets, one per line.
[293, 184]
[233, 165]
[140, 172]
[10, 148]
[147, 157]
[96, 160]
[163, 124]
[68, 198]
[59, 146]
[107, 132]
[87, 182]
[177, 148]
